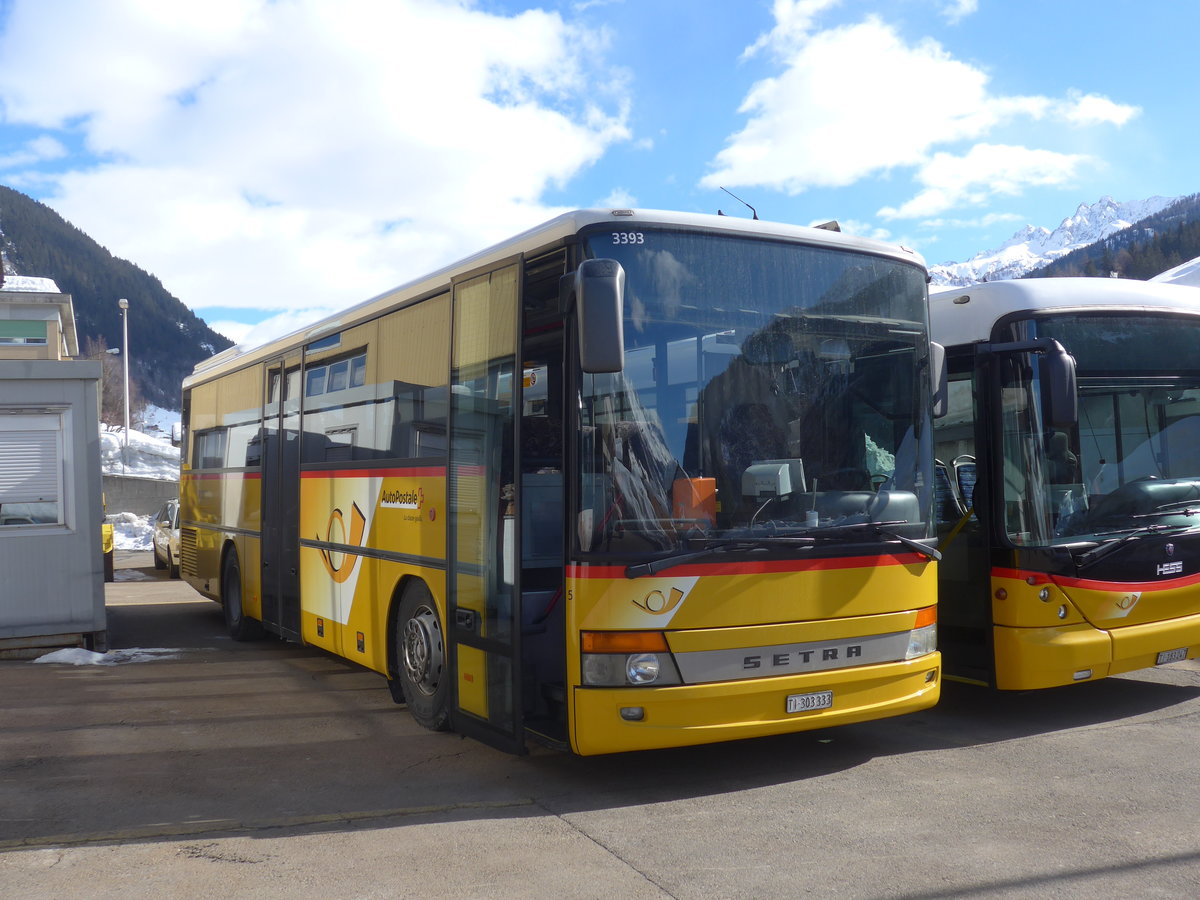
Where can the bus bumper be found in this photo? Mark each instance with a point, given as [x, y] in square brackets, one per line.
[706, 713]
[1031, 658]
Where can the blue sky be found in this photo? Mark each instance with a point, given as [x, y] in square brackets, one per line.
[273, 160]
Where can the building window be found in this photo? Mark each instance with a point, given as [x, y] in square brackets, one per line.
[31, 469]
[22, 334]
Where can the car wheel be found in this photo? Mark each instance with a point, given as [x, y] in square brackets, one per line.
[174, 564]
[158, 563]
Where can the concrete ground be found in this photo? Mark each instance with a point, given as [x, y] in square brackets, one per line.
[267, 769]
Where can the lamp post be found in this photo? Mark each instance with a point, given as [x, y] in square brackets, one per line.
[124, 304]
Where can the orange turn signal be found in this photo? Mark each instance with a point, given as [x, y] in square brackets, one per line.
[926, 616]
[623, 642]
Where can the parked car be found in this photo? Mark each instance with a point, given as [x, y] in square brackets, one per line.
[166, 538]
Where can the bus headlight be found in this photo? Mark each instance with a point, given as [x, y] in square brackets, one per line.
[626, 670]
[921, 642]
[642, 668]
[624, 659]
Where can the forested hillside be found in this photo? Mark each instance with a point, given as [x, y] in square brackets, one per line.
[1143, 250]
[166, 338]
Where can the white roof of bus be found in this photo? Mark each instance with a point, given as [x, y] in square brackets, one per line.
[534, 239]
[955, 321]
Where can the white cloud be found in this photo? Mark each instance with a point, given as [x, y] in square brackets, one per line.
[1094, 110]
[235, 331]
[40, 149]
[620, 198]
[289, 155]
[859, 101]
[956, 10]
[860, 229]
[985, 170]
[794, 20]
[984, 221]
[284, 323]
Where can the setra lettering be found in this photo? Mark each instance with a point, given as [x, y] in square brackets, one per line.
[794, 658]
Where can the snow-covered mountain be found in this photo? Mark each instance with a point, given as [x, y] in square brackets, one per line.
[1034, 246]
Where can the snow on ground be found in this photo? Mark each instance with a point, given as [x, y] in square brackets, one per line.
[148, 456]
[77, 656]
[157, 421]
[131, 531]
[145, 457]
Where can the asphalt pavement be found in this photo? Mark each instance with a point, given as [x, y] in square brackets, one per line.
[268, 769]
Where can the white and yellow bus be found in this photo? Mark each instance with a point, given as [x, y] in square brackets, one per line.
[1069, 479]
[628, 480]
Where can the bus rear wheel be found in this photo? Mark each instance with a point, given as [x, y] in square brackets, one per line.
[241, 627]
[421, 659]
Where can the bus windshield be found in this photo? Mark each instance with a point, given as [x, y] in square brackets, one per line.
[770, 389]
[1133, 459]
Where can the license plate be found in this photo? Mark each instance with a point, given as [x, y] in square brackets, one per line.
[805, 702]
[1169, 656]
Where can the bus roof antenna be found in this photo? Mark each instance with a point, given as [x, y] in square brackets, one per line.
[741, 201]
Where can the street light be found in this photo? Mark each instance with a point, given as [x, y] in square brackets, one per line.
[124, 304]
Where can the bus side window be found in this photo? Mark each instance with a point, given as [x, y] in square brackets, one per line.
[954, 443]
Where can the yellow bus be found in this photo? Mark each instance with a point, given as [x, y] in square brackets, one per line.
[628, 480]
[1068, 469]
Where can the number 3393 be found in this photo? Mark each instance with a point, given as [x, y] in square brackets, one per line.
[628, 237]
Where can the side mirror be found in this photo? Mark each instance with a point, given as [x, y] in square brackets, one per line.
[599, 308]
[1057, 370]
[939, 379]
[768, 348]
[1058, 373]
[176, 434]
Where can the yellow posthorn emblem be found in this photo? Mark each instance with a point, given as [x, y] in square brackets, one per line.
[656, 602]
[335, 533]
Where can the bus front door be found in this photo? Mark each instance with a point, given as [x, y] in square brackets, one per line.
[483, 578]
[281, 500]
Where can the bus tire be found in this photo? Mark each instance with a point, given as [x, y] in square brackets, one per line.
[241, 627]
[421, 659]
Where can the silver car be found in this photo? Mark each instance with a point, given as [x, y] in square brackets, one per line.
[166, 538]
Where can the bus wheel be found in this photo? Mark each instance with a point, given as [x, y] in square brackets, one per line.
[241, 627]
[421, 659]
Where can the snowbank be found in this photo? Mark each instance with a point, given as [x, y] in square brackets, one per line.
[77, 656]
[148, 456]
[131, 531]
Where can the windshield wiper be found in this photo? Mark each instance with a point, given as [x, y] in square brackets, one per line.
[667, 562]
[1090, 557]
[882, 529]
[1189, 508]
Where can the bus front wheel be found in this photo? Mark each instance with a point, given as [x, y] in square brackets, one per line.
[421, 659]
[241, 627]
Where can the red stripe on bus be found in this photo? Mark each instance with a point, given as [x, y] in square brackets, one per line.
[1089, 584]
[411, 472]
[584, 570]
[214, 476]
